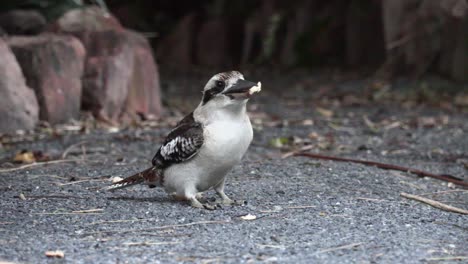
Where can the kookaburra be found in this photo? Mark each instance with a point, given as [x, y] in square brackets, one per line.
[205, 145]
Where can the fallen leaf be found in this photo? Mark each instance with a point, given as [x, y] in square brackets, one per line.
[324, 112]
[461, 100]
[308, 122]
[314, 135]
[25, 157]
[279, 142]
[113, 129]
[248, 217]
[55, 254]
[427, 121]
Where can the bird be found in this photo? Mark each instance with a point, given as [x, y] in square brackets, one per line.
[205, 145]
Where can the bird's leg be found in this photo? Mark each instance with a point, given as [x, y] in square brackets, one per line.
[195, 203]
[192, 197]
[219, 188]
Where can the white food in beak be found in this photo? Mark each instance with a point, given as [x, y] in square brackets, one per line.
[256, 88]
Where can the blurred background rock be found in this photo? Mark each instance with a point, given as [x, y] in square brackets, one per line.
[110, 46]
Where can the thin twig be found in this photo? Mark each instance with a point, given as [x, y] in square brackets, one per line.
[447, 178]
[158, 228]
[448, 258]
[443, 192]
[45, 175]
[435, 204]
[122, 221]
[340, 248]
[370, 199]
[88, 211]
[146, 243]
[300, 207]
[69, 213]
[67, 150]
[81, 181]
[52, 197]
[39, 164]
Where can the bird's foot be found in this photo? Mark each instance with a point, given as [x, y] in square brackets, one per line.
[195, 203]
[228, 201]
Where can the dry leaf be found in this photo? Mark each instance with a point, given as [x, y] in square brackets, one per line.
[324, 112]
[113, 129]
[427, 121]
[248, 217]
[308, 122]
[55, 254]
[461, 100]
[25, 157]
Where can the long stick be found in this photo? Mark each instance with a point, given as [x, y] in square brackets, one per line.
[38, 164]
[435, 204]
[447, 178]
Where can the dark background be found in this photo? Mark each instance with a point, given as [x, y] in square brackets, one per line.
[391, 38]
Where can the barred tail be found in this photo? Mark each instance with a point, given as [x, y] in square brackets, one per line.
[150, 176]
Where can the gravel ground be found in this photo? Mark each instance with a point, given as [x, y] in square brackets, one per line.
[307, 211]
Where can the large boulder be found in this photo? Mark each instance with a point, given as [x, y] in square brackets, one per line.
[53, 67]
[86, 19]
[120, 77]
[22, 22]
[143, 94]
[108, 69]
[18, 105]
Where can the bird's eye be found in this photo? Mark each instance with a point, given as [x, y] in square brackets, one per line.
[220, 84]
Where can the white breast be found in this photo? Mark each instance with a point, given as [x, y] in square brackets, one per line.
[225, 143]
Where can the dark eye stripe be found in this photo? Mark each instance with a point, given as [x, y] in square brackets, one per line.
[210, 93]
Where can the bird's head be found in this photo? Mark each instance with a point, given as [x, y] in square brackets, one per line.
[228, 89]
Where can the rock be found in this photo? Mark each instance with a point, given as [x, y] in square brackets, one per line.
[22, 22]
[108, 69]
[18, 105]
[53, 67]
[114, 86]
[176, 49]
[144, 88]
[86, 19]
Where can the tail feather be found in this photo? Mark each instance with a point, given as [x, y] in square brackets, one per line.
[149, 176]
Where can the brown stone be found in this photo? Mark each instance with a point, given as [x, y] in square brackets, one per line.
[53, 67]
[108, 69]
[144, 96]
[18, 104]
[121, 77]
[85, 19]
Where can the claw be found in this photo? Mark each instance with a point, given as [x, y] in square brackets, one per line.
[209, 206]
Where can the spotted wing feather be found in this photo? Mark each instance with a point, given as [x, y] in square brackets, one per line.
[182, 143]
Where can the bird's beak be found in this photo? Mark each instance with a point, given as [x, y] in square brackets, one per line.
[241, 87]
